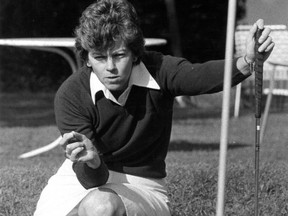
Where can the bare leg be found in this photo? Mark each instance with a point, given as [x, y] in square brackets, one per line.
[104, 202]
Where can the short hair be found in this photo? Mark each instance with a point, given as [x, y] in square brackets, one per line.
[105, 22]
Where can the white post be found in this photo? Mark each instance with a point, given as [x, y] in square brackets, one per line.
[237, 100]
[226, 106]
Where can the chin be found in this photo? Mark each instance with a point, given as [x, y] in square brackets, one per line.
[115, 88]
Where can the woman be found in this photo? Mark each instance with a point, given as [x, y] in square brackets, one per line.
[115, 115]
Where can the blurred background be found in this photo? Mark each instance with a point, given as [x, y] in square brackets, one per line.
[194, 29]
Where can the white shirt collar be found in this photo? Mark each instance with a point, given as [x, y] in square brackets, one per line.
[139, 77]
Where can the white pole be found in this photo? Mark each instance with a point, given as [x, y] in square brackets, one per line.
[237, 100]
[41, 150]
[226, 106]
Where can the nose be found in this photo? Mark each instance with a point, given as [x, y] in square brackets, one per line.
[110, 64]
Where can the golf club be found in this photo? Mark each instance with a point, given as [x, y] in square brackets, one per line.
[258, 101]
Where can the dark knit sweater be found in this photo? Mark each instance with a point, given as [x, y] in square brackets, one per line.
[133, 139]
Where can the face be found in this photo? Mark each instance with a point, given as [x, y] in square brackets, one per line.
[112, 67]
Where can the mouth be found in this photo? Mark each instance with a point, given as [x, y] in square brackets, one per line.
[113, 79]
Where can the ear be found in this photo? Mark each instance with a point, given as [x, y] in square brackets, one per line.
[88, 64]
[135, 59]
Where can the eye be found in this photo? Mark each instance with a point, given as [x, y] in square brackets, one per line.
[119, 55]
[99, 57]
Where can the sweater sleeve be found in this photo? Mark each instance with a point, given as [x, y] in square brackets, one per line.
[74, 112]
[180, 77]
[89, 177]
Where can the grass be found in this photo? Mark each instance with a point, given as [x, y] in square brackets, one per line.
[27, 122]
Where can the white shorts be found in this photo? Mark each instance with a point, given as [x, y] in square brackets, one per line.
[141, 196]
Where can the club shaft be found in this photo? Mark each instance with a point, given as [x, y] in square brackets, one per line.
[257, 159]
[258, 104]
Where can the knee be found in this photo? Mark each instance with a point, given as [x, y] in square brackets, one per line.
[104, 203]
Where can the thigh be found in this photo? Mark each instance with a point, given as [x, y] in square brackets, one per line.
[62, 193]
[140, 201]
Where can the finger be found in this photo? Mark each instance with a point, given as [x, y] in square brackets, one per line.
[86, 156]
[252, 32]
[65, 138]
[73, 133]
[270, 47]
[269, 50]
[260, 23]
[78, 136]
[72, 146]
[74, 154]
[265, 44]
[265, 34]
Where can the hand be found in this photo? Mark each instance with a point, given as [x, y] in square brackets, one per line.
[78, 148]
[265, 40]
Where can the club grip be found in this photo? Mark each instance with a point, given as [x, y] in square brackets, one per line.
[258, 75]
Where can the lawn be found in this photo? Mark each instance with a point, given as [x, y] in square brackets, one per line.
[27, 122]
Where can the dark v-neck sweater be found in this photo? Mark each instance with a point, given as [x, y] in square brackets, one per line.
[133, 138]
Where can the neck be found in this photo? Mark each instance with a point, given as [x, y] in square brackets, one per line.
[117, 93]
